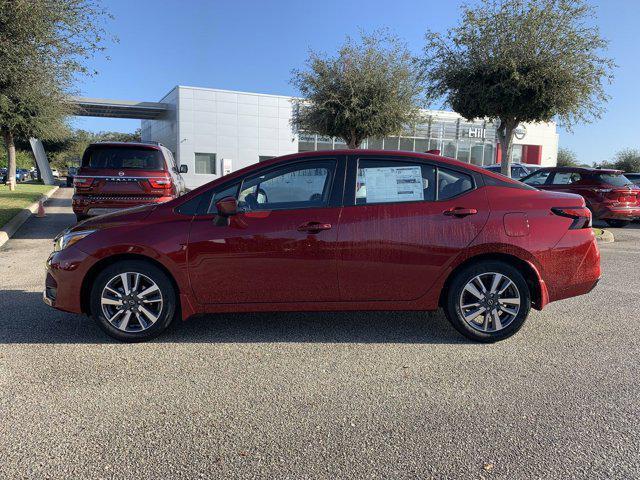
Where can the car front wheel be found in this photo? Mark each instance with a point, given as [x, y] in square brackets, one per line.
[133, 301]
[488, 301]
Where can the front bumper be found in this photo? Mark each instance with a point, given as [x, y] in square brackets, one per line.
[66, 270]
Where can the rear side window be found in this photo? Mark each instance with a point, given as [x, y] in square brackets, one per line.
[383, 181]
[120, 158]
[615, 179]
[566, 178]
[452, 183]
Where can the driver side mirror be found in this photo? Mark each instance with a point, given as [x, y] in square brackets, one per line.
[226, 207]
[184, 169]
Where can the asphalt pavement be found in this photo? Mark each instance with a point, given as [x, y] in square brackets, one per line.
[320, 395]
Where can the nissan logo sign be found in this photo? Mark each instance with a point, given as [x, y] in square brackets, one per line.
[520, 132]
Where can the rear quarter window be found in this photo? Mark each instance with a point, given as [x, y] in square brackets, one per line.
[615, 179]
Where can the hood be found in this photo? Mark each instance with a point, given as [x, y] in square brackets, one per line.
[128, 215]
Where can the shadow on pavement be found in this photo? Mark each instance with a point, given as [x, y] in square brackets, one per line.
[26, 319]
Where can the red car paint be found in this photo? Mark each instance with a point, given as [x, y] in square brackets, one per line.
[391, 256]
[608, 201]
[99, 188]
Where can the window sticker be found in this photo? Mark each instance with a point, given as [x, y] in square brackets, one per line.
[393, 184]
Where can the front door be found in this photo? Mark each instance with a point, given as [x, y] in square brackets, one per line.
[281, 248]
[409, 219]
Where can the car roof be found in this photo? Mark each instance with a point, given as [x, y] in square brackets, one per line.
[355, 152]
[152, 145]
[579, 170]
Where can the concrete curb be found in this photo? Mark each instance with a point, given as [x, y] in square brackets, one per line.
[606, 237]
[12, 226]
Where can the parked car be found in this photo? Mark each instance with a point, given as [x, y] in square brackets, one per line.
[633, 177]
[518, 170]
[71, 173]
[299, 233]
[118, 175]
[3, 175]
[610, 195]
[22, 175]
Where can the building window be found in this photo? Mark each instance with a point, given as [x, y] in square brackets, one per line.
[206, 163]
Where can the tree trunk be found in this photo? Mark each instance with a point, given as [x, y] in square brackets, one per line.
[353, 143]
[11, 155]
[505, 137]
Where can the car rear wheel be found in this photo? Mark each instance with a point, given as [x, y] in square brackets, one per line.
[617, 223]
[488, 301]
[133, 301]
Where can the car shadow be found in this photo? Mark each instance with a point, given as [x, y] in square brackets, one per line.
[26, 319]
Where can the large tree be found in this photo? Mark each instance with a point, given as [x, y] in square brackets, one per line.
[521, 61]
[369, 89]
[627, 160]
[44, 47]
[567, 158]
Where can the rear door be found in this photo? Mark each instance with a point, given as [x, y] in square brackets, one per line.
[403, 222]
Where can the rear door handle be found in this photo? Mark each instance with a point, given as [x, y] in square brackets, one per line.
[460, 212]
[314, 227]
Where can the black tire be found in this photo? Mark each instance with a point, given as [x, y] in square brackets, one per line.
[80, 217]
[452, 300]
[165, 315]
[617, 223]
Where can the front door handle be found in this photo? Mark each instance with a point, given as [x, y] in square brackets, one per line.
[314, 227]
[460, 212]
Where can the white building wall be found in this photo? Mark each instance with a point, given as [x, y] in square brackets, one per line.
[543, 134]
[236, 126]
[165, 130]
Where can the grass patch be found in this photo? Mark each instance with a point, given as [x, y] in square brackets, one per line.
[24, 195]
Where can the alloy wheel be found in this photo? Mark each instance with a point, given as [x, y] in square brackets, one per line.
[489, 302]
[131, 302]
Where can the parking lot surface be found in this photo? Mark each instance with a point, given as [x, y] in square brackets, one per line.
[349, 395]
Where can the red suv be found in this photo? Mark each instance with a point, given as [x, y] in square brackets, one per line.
[609, 195]
[327, 231]
[118, 175]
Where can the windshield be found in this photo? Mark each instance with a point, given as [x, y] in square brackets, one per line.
[615, 179]
[117, 158]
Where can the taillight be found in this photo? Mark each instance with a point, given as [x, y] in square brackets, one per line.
[82, 182]
[160, 183]
[581, 216]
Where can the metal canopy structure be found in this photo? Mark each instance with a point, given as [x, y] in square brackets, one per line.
[100, 107]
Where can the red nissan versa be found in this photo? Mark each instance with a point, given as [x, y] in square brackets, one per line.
[327, 231]
[609, 195]
[118, 175]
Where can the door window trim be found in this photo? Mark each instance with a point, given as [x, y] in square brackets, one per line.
[352, 178]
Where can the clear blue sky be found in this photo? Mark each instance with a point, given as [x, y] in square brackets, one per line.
[253, 45]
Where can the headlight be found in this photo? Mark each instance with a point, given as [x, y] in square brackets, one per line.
[66, 239]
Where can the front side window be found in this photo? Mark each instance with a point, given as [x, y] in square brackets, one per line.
[230, 191]
[383, 181]
[303, 185]
[538, 178]
[452, 183]
[206, 163]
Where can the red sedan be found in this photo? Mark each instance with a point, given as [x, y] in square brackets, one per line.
[327, 231]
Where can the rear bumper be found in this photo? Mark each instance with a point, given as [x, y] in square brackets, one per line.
[618, 213]
[98, 205]
[573, 266]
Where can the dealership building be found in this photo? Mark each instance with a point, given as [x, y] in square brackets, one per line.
[216, 131]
